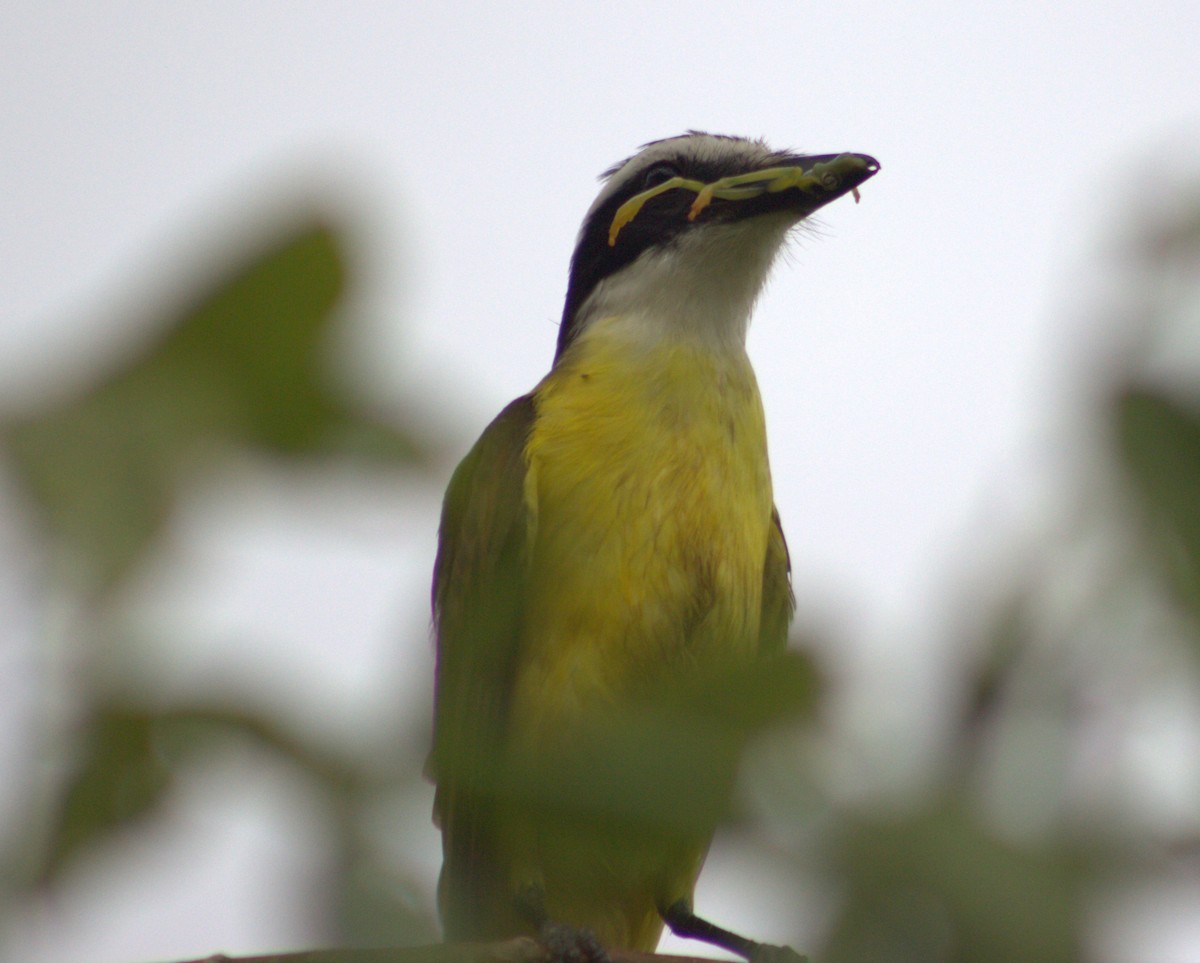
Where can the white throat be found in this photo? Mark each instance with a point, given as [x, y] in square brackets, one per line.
[700, 288]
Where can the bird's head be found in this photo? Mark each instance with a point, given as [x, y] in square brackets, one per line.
[683, 233]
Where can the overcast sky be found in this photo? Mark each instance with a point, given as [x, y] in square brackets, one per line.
[906, 352]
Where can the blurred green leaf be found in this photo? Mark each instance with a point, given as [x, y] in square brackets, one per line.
[246, 364]
[117, 777]
[1159, 443]
[664, 762]
[938, 885]
[126, 758]
[373, 903]
[637, 781]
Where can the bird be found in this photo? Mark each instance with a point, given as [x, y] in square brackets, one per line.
[610, 533]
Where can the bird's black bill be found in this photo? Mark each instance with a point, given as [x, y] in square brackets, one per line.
[801, 187]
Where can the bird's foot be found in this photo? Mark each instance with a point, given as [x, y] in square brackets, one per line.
[572, 944]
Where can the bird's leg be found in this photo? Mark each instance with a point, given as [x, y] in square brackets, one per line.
[683, 922]
[564, 943]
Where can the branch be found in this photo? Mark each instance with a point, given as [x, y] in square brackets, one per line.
[518, 950]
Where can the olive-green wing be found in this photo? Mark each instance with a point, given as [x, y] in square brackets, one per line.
[478, 593]
[779, 604]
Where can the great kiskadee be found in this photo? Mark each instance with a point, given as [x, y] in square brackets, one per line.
[612, 532]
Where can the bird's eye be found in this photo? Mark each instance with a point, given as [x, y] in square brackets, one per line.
[659, 173]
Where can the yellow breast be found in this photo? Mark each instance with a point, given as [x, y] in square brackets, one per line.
[650, 500]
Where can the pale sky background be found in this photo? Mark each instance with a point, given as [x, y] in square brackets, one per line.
[906, 354]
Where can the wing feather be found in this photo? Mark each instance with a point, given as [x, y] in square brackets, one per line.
[779, 604]
[478, 595]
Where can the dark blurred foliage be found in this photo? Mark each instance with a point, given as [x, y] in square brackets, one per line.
[246, 366]
[935, 876]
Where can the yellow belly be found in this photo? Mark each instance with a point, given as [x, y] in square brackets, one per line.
[650, 504]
